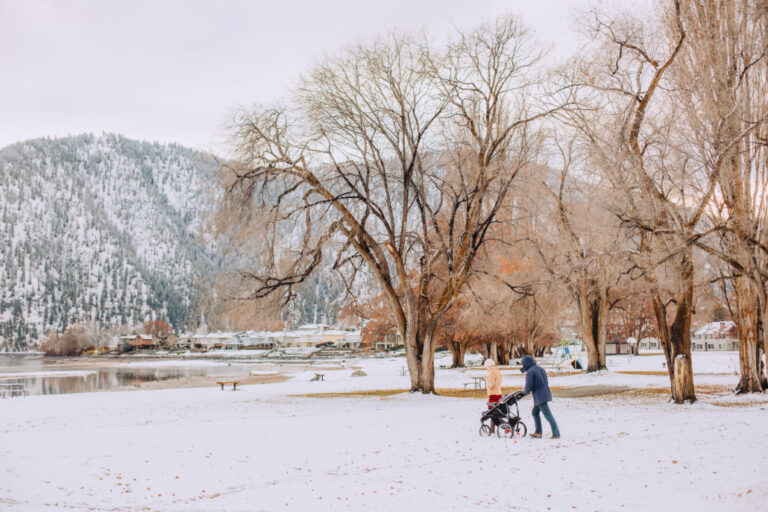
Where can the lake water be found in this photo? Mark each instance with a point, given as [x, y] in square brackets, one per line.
[52, 375]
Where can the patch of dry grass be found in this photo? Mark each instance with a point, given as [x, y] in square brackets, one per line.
[353, 394]
[480, 394]
[470, 393]
[634, 372]
[452, 392]
[735, 404]
[703, 391]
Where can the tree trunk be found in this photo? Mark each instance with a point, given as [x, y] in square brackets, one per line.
[763, 338]
[458, 349]
[493, 352]
[420, 353]
[502, 354]
[427, 376]
[678, 354]
[747, 325]
[602, 327]
[593, 314]
[682, 379]
[762, 330]
[413, 357]
[638, 334]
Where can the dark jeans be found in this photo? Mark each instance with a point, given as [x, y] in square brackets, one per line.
[547, 414]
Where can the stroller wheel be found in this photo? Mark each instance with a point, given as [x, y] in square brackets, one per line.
[485, 430]
[519, 430]
[504, 430]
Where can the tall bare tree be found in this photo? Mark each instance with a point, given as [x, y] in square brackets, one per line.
[396, 158]
[585, 251]
[721, 81]
[626, 124]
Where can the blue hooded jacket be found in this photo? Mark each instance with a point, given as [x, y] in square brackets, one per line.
[536, 381]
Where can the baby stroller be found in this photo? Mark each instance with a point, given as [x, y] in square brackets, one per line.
[507, 424]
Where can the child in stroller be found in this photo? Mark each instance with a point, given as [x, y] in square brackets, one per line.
[501, 417]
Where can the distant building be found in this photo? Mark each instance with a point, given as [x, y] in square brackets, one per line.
[652, 344]
[255, 340]
[617, 346]
[389, 341]
[307, 337]
[122, 342]
[183, 341]
[715, 336]
[351, 340]
[213, 340]
[144, 342]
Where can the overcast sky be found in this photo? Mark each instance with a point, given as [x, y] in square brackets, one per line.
[172, 70]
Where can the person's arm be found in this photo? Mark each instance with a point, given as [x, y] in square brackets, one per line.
[528, 383]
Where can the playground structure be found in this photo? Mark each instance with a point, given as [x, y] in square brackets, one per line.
[567, 356]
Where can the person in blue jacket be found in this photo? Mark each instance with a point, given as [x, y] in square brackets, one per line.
[536, 383]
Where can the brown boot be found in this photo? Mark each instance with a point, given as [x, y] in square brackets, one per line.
[536, 436]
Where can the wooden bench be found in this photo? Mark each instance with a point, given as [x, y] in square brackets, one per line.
[225, 382]
[318, 376]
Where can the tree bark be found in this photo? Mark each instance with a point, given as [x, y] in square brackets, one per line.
[747, 325]
[593, 312]
[762, 333]
[458, 350]
[502, 354]
[427, 376]
[676, 338]
[494, 352]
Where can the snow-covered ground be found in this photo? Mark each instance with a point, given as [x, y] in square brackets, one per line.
[264, 448]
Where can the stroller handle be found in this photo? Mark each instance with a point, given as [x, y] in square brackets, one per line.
[517, 395]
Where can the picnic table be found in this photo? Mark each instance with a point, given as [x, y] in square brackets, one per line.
[225, 382]
[318, 377]
[478, 383]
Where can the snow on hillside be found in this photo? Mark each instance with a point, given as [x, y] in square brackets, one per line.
[99, 228]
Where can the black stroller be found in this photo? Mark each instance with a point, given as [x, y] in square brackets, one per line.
[500, 415]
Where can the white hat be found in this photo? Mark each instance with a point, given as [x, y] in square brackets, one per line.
[489, 362]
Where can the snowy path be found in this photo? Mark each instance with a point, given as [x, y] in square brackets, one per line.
[256, 449]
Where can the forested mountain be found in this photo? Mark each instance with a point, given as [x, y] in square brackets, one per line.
[103, 229]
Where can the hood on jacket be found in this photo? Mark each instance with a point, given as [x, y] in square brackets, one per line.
[528, 363]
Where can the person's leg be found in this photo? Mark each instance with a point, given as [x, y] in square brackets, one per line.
[492, 401]
[536, 419]
[551, 419]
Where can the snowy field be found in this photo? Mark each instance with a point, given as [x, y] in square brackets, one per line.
[274, 447]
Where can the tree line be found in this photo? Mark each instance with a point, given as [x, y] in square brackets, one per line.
[469, 183]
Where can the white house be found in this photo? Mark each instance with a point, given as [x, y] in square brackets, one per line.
[214, 340]
[652, 344]
[389, 341]
[715, 336]
[253, 339]
[351, 340]
[618, 346]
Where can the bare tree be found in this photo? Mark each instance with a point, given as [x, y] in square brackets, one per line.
[721, 81]
[633, 315]
[626, 124]
[395, 158]
[585, 251]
